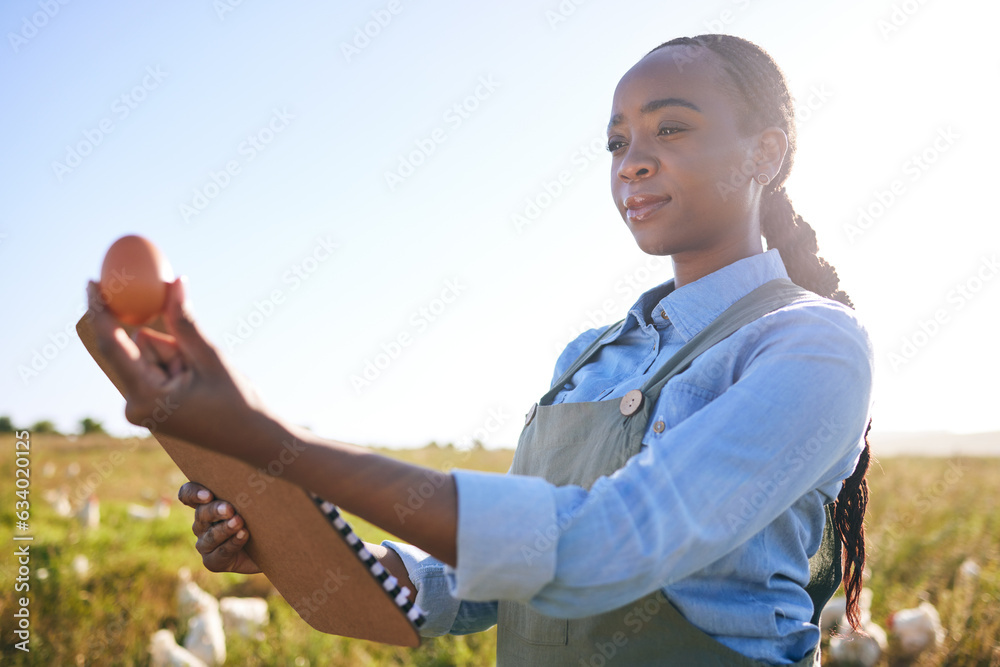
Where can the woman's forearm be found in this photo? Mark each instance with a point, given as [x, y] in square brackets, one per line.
[377, 488]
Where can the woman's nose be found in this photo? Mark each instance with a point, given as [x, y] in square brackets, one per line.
[637, 163]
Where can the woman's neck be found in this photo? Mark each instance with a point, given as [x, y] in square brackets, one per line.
[691, 265]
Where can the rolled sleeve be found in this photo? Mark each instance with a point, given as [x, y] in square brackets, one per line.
[444, 613]
[427, 575]
[507, 535]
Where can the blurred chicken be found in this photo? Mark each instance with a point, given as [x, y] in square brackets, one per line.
[206, 637]
[836, 608]
[166, 653]
[161, 510]
[59, 500]
[190, 595]
[245, 616]
[847, 647]
[80, 566]
[968, 572]
[89, 513]
[964, 594]
[914, 631]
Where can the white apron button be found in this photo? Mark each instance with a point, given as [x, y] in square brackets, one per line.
[531, 414]
[631, 402]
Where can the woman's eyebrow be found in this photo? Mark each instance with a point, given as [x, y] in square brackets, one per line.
[655, 105]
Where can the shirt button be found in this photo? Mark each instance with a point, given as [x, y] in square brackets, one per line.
[631, 402]
[659, 426]
[664, 313]
[531, 414]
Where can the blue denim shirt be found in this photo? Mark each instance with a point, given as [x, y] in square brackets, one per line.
[723, 505]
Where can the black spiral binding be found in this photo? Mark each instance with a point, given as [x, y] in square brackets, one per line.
[398, 594]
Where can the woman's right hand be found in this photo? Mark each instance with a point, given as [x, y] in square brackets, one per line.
[220, 531]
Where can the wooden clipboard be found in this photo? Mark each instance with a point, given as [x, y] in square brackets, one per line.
[302, 545]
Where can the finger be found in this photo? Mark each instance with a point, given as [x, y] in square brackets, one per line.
[163, 344]
[96, 301]
[209, 514]
[227, 555]
[113, 342]
[156, 366]
[180, 323]
[194, 494]
[218, 533]
[159, 349]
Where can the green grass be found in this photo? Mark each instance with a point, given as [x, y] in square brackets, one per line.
[923, 522]
[926, 516]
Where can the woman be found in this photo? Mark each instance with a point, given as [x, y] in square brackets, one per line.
[690, 543]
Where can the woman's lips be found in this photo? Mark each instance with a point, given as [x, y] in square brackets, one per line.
[641, 207]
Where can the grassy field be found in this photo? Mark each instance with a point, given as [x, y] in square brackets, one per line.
[926, 517]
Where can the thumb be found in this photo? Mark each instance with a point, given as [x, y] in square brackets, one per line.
[181, 325]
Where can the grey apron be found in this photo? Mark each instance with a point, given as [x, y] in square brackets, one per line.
[576, 443]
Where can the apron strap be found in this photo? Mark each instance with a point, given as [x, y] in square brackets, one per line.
[576, 365]
[765, 299]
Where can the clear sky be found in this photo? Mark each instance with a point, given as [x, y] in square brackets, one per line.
[340, 182]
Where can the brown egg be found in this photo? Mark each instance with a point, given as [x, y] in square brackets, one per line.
[134, 280]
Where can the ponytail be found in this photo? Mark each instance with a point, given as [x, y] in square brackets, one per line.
[795, 240]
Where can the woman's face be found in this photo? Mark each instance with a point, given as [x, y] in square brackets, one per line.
[681, 171]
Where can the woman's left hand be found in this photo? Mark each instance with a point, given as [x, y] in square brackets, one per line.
[176, 383]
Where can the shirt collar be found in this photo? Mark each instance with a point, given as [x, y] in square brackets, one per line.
[694, 306]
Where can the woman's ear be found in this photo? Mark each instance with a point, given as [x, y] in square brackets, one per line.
[772, 146]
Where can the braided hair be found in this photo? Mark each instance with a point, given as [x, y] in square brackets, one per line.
[761, 93]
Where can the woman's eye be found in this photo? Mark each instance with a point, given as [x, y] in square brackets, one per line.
[614, 145]
[667, 131]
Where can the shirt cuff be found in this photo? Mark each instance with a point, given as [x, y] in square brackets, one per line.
[427, 575]
[507, 537]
